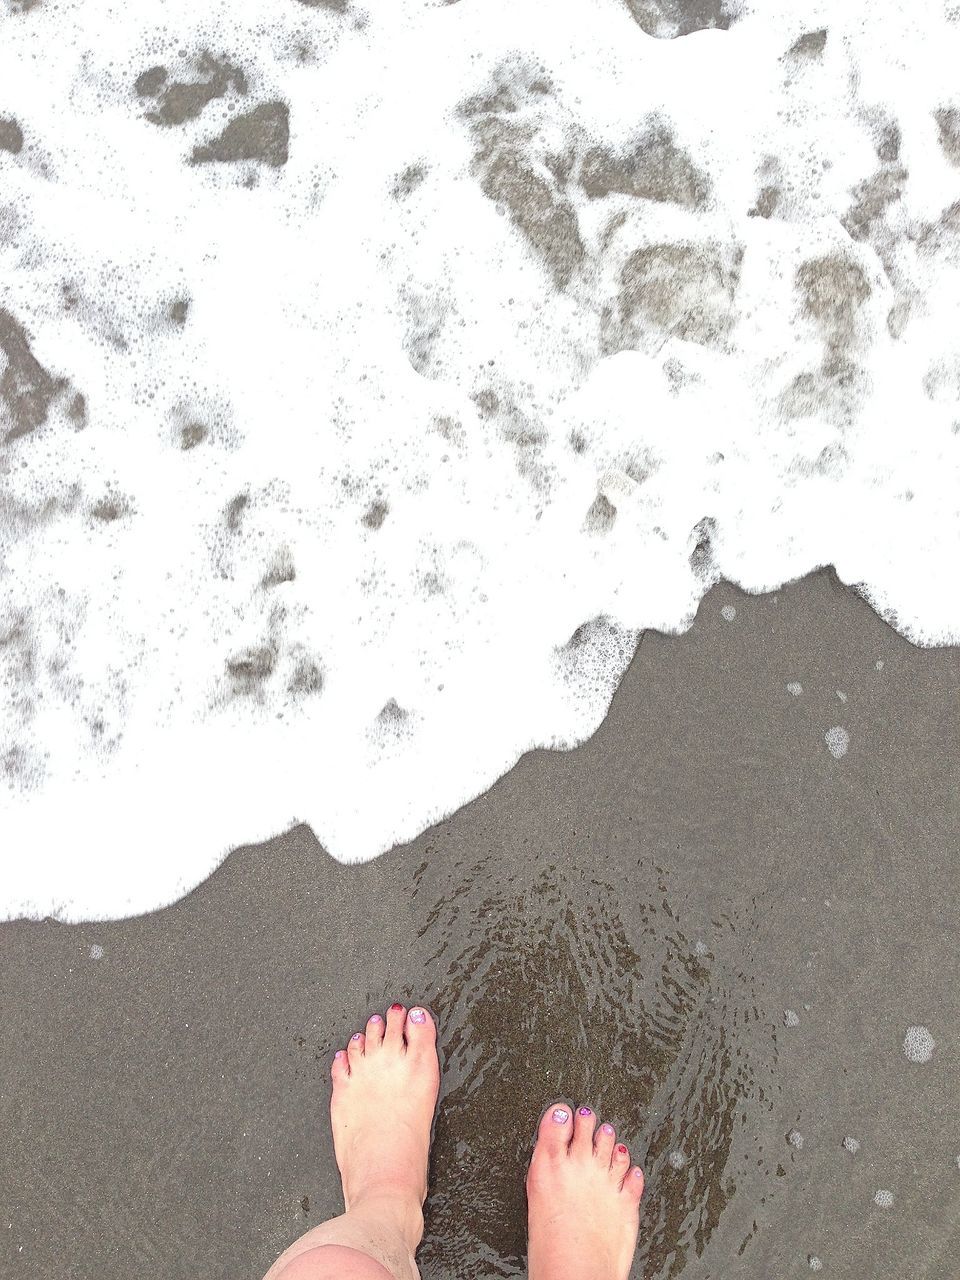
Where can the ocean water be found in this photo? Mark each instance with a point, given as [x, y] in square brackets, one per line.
[371, 376]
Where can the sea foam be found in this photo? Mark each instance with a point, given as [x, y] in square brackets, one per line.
[372, 375]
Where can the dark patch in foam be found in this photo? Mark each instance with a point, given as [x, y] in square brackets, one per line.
[409, 180]
[941, 382]
[280, 571]
[334, 6]
[235, 509]
[27, 389]
[109, 509]
[871, 200]
[77, 411]
[667, 19]
[183, 100]
[578, 441]
[702, 556]
[683, 289]
[888, 147]
[601, 515]
[178, 311]
[656, 168]
[192, 434]
[250, 668]
[767, 201]
[262, 134]
[948, 132]
[392, 715]
[509, 177]
[307, 679]
[11, 135]
[810, 45]
[375, 514]
[833, 289]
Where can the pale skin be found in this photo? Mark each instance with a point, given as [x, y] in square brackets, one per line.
[583, 1192]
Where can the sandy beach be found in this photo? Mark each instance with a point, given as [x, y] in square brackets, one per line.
[729, 927]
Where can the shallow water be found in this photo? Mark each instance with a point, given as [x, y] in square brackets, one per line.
[737, 946]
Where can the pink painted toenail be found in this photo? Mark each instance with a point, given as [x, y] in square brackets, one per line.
[338, 1054]
[622, 1149]
[417, 1015]
[375, 1018]
[607, 1128]
[584, 1111]
[561, 1116]
[394, 1007]
[638, 1173]
[355, 1036]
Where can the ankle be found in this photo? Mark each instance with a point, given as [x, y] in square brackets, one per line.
[394, 1208]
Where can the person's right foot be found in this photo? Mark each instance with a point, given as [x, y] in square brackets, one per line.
[583, 1200]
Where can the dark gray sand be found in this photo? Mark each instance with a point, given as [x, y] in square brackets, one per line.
[704, 922]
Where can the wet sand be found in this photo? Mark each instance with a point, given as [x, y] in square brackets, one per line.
[704, 922]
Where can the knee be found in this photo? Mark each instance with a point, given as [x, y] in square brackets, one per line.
[333, 1262]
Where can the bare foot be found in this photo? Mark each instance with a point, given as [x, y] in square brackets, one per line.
[385, 1088]
[583, 1200]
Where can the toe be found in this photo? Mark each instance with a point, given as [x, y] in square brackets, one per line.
[373, 1036]
[583, 1127]
[620, 1162]
[393, 1036]
[603, 1142]
[633, 1183]
[420, 1029]
[355, 1047]
[340, 1068]
[556, 1129]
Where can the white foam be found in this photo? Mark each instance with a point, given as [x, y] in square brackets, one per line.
[837, 740]
[439, 626]
[918, 1044]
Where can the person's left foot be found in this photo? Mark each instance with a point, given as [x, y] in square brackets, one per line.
[385, 1088]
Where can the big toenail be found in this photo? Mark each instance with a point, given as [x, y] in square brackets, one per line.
[607, 1128]
[584, 1111]
[417, 1015]
[561, 1116]
[355, 1036]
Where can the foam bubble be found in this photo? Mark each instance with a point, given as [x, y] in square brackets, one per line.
[851, 1145]
[728, 612]
[814, 1263]
[795, 1139]
[795, 687]
[96, 952]
[918, 1044]
[837, 740]
[883, 1199]
[677, 1159]
[791, 1018]
[328, 389]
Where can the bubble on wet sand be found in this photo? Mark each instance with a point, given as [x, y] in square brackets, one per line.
[814, 1263]
[677, 1159]
[795, 687]
[851, 1145]
[96, 951]
[795, 1138]
[728, 612]
[791, 1018]
[918, 1044]
[837, 740]
[883, 1199]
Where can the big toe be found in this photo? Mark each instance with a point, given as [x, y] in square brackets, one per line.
[556, 1129]
[420, 1031]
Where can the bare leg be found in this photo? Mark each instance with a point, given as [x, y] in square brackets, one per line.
[385, 1088]
[583, 1200]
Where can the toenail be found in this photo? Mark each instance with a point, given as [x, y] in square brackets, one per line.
[584, 1111]
[376, 1018]
[622, 1149]
[396, 1006]
[638, 1173]
[561, 1116]
[338, 1054]
[417, 1015]
[607, 1128]
[355, 1036]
